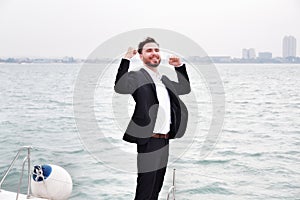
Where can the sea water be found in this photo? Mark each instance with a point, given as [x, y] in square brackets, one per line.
[255, 156]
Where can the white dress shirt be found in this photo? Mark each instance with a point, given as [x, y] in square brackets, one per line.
[163, 120]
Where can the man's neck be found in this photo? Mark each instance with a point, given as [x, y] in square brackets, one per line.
[154, 69]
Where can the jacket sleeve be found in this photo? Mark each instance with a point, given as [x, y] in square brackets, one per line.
[125, 82]
[183, 85]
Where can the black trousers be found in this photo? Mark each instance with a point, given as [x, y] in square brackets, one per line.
[152, 164]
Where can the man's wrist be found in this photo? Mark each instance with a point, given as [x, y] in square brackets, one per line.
[181, 64]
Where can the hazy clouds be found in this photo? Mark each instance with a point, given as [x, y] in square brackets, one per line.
[55, 28]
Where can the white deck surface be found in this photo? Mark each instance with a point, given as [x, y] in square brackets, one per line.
[6, 195]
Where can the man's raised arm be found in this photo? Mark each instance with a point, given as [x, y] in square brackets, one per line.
[124, 83]
[183, 85]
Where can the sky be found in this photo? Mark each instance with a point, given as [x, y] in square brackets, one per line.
[58, 28]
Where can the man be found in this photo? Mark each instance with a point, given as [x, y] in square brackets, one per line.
[159, 114]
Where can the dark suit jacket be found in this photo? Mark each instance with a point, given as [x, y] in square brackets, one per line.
[142, 88]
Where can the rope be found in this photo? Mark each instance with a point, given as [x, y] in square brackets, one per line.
[38, 171]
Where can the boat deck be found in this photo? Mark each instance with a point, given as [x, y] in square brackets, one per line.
[6, 195]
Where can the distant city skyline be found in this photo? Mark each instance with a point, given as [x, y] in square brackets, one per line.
[289, 47]
[53, 28]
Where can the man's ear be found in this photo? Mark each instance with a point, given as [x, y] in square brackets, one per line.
[141, 56]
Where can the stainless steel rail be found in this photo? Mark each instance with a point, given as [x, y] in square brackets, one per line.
[172, 188]
[27, 158]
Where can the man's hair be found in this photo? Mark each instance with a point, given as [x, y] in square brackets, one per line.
[142, 44]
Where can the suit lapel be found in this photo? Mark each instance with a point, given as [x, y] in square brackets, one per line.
[166, 81]
[149, 79]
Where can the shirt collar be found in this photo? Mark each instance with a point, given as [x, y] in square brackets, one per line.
[155, 76]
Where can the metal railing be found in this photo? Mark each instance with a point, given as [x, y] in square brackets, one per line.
[172, 188]
[27, 158]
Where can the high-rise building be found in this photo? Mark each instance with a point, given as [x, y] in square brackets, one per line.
[289, 45]
[245, 53]
[252, 54]
[249, 53]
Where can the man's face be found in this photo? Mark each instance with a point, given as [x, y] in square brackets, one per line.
[150, 55]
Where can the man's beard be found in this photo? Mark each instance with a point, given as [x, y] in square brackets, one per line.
[149, 64]
[152, 65]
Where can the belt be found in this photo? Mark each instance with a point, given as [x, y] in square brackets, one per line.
[159, 135]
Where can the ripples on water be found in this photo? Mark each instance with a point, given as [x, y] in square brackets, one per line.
[257, 155]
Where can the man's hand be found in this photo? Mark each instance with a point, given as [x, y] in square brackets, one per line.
[175, 61]
[130, 53]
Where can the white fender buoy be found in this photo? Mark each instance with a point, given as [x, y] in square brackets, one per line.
[51, 182]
